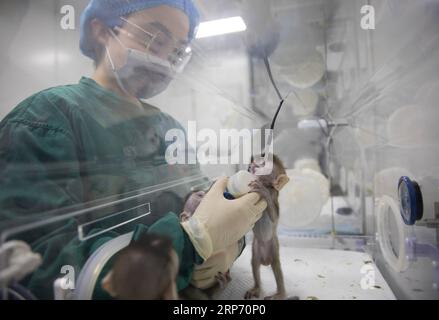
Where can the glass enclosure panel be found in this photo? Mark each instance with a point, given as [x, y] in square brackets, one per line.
[85, 161]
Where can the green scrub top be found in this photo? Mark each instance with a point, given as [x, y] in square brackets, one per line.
[77, 143]
[67, 147]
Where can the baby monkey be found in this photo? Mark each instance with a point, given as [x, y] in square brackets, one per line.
[145, 270]
[265, 247]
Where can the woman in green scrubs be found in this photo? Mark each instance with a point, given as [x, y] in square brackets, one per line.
[74, 144]
[71, 147]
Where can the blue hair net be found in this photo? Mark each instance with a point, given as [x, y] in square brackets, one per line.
[110, 11]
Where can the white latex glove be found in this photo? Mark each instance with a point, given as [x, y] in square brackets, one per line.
[204, 275]
[218, 223]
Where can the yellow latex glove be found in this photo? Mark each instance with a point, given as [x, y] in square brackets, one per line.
[218, 223]
[204, 275]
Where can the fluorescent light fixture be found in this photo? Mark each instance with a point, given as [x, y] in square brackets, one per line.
[50, 57]
[221, 26]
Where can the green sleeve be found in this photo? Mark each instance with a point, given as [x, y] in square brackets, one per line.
[170, 226]
[39, 167]
[63, 248]
[60, 248]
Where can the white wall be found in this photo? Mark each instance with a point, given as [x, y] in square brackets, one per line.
[385, 83]
[36, 52]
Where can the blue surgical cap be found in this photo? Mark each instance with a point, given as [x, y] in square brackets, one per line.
[110, 11]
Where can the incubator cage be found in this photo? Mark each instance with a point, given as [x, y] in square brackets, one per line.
[358, 114]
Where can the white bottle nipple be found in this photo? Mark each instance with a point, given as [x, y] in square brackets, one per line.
[238, 184]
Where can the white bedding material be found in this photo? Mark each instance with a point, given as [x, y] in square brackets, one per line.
[311, 274]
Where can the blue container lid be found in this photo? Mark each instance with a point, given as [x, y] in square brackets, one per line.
[410, 197]
[228, 196]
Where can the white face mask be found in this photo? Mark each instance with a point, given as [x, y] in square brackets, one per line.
[143, 75]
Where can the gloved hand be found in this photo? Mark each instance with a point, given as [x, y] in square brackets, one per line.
[204, 275]
[218, 223]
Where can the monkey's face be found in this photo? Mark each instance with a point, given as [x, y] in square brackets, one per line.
[272, 169]
[256, 163]
[193, 202]
[259, 163]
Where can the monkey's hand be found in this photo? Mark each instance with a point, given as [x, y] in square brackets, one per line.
[223, 279]
[276, 296]
[255, 292]
[258, 187]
